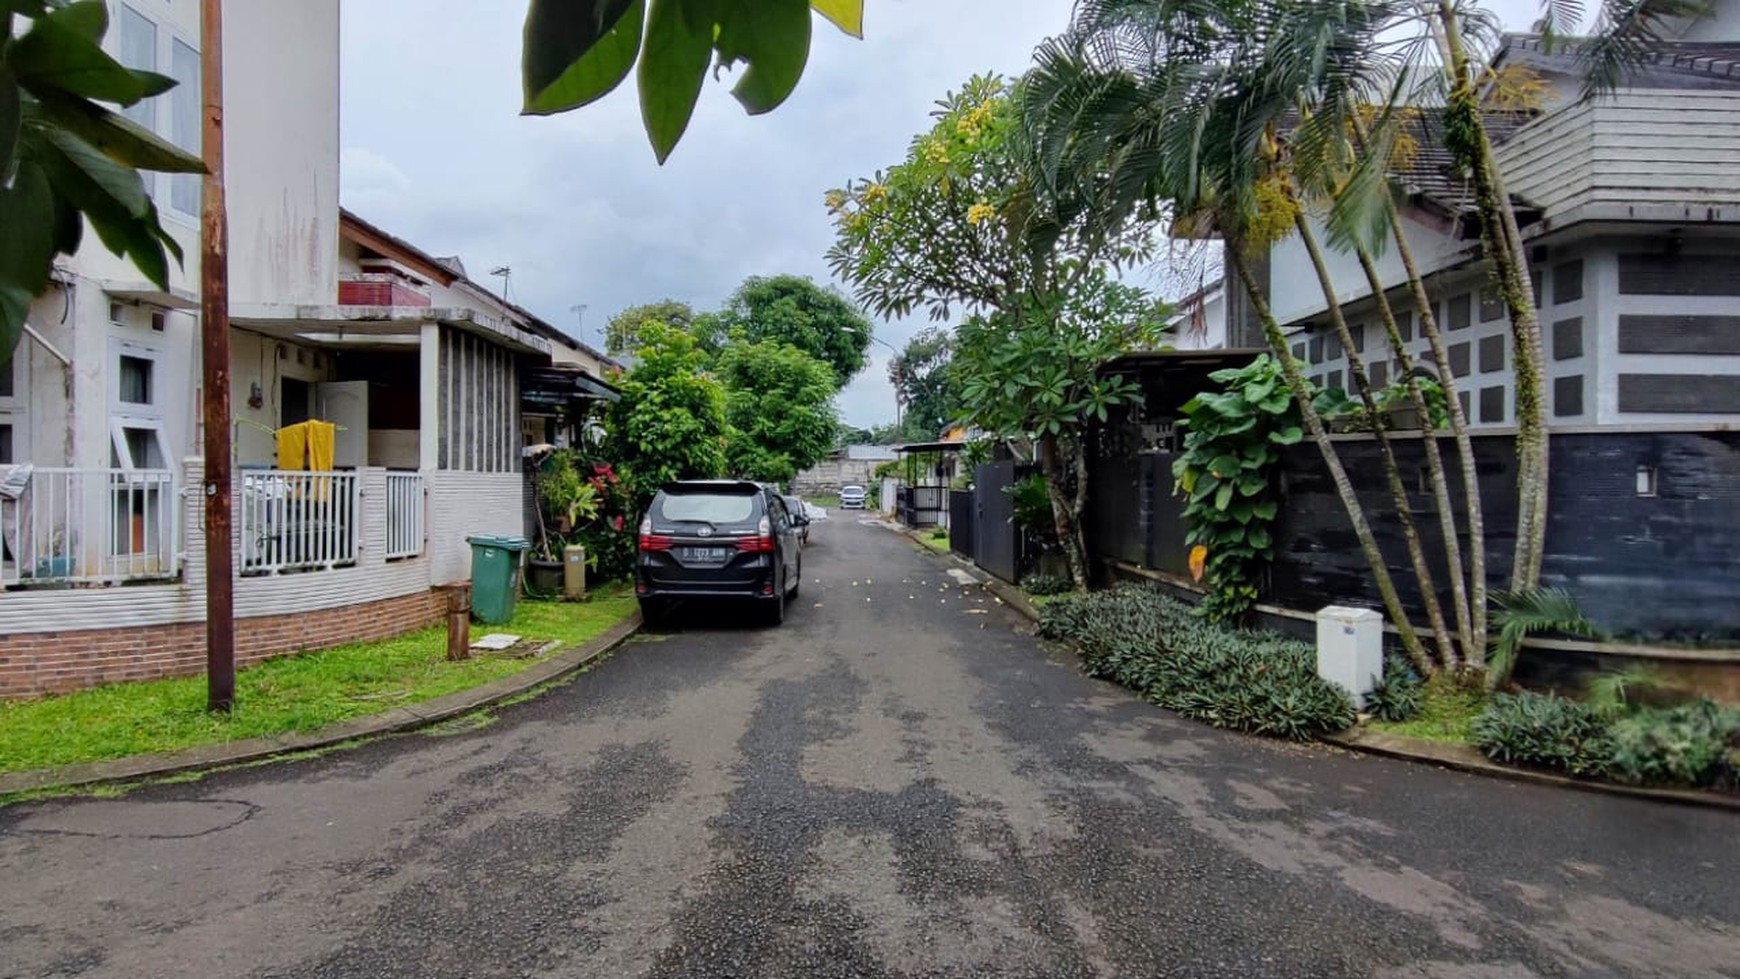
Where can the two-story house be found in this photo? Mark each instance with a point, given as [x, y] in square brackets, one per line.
[418, 368]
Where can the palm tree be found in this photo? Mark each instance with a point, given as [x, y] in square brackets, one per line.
[1173, 102]
[1140, 97]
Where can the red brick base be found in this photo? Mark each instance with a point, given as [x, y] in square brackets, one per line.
[32, 664]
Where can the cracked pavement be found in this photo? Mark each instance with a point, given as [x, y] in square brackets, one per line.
[900, 781]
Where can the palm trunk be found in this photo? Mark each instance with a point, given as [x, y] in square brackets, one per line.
[1338, 475]
[1475, 651]
[1504, 247]
[1392, 470]
[1434, 458]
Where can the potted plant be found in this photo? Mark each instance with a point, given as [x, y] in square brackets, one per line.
[565, 502]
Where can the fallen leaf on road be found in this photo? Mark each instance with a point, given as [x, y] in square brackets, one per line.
[977, 611]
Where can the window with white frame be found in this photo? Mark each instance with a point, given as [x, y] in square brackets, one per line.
[136, 407]
[14, 388]
[148, 45]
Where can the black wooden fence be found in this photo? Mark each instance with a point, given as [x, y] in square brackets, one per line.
[963, 522]
[1644, 528]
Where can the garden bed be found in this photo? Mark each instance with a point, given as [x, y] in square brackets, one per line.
[1265, 683]
[300, 693]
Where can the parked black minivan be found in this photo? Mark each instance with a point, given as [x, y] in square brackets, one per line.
[718, 538]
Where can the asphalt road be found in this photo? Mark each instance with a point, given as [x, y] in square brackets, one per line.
[898, 782]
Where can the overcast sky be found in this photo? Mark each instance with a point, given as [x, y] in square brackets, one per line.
[434, 150]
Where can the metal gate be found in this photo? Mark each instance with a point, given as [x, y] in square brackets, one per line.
[995, 547]
[962, 522]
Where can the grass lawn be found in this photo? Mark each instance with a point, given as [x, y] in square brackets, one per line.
[296, 693]
[934, 541]
[1447, 713]
[828, 503]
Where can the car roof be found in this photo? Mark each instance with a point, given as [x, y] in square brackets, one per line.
[711, 485]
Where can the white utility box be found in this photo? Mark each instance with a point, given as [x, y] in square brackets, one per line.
[1350, 649]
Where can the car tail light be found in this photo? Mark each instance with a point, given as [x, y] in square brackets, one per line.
[762, 542]
[650, 541]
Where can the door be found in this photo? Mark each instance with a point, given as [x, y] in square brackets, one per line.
[994, 546]
[786, 532]
[346, 404]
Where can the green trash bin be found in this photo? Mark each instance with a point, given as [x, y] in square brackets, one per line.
[495, 576]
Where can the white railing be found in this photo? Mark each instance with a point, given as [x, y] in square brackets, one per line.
[404, 515]
[90, 526]
[296, 521]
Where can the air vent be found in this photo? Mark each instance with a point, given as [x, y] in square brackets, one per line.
[159, 319]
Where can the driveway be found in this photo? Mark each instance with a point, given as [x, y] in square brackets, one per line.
[898, 782]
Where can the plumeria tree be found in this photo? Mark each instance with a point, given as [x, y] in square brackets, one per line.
[1036, 373]
[961, 225]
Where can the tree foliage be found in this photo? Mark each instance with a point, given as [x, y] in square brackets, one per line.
[779, 403]
[924, 379]
[66, 158]
[1039, 374]
[963, 222]
[670, 421]
[1036, 373]
[622, 333]
[941, 229]
[578, 51]
[793, 310]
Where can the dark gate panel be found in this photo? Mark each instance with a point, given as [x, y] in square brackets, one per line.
[1165, 523]
[994, 544]
[963, 518]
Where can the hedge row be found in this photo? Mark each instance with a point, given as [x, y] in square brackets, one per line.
[1260, 682]
[1696, 744]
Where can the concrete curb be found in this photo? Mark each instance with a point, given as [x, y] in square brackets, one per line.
[1455, 756]
[394, 721]
[1010, 595]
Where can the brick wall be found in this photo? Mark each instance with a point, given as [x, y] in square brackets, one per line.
[379, 291]
[32, 664]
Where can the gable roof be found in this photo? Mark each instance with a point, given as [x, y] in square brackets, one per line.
[447, 271]
[1670, 64]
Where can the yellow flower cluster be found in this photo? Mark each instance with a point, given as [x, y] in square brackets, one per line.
[874, 193]
[935, 152]
[980, 212]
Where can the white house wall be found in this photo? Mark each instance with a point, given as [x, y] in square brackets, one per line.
[1642, 155]
[263, 360]
[281, 87]
[1295, 294]
[462, 504]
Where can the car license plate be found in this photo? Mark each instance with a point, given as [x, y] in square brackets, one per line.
[707, 553]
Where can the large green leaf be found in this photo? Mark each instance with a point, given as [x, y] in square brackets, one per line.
[673, 64]
[774, 37]
[90, 180]
[119, 138]
[576, 51]
[27, 214]
[11, 120]
[14, 307]
[847, 15]
[59, 53]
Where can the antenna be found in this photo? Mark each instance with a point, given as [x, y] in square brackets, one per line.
[506, 273]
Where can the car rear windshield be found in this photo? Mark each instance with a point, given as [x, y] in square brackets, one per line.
[712, 508]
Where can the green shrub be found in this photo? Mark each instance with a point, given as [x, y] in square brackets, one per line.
[1399, 694]
[1252, 681]
[1696, 744]
[1041, 583]
[1545, 730]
